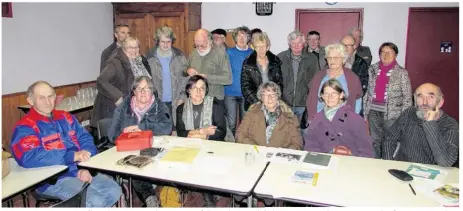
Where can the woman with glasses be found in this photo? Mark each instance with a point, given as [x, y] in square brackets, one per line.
[270, 122]
[115, 80]
[259, 67]
[337, 129]
[200, 116]
[389, 94]
[141, 111]
[336, 56]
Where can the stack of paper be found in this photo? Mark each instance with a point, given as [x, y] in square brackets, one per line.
[181, 154]
[444, 194]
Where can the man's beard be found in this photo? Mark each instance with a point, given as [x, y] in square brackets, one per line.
[421, 112]
[205, 52]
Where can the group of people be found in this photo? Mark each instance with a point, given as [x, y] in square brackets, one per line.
[321, 99]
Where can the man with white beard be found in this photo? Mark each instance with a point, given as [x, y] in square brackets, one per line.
[424, 133]
[211, 62]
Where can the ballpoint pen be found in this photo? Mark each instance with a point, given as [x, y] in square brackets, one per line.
[413, 190]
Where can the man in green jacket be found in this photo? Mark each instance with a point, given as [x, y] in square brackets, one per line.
[211, 62]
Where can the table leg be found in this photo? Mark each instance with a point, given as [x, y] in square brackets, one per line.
[250, 201]
[233, 201]
[25, 199]
[130, 192]
[182, 197]
[9, 203]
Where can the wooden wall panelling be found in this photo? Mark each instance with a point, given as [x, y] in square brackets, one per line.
[11, 114]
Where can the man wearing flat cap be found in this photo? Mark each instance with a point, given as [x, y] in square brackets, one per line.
[219, 36]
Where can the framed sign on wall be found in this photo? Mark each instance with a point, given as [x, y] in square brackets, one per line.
[264, 8]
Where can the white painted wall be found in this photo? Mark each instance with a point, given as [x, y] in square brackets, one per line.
[57, 42]
[381, 21]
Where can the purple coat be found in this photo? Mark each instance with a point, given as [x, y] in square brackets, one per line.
[347, 129]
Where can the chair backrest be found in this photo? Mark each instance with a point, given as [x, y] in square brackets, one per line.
[103, 126]
[78, 200]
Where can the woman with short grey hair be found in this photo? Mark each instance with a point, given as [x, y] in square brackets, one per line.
[233, 95]
[259, 67]
[336, 55]
[167, 64]
[141, 111]
[270, 122]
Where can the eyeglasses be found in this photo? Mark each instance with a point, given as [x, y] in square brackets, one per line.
[200, 90]
[333, 58]
[269, 96]
[384, 53]
[352, 45]
[132, 47]
[330, 95]
[200, 46]
[146, 89]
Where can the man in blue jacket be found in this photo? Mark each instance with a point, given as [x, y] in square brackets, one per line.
[46, 137]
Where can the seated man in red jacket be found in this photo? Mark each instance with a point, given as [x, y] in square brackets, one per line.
[46, 137]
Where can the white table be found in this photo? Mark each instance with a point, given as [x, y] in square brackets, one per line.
[21, 179]
[219, 166]
[356, 182]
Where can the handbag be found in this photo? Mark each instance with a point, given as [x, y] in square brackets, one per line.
[77, 200]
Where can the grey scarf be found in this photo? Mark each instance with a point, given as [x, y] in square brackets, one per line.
[206, 114]
[271, 119]
[138, 68]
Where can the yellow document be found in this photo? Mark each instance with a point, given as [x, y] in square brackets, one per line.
[181, 154]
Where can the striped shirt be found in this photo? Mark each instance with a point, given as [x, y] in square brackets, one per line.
[420, 141]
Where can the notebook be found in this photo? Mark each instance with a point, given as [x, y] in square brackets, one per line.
[317, 159]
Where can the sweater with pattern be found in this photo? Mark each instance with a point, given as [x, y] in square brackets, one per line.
[420, 141]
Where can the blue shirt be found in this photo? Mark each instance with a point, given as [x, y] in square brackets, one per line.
[236, 58]
[166, 79]
[342, 80]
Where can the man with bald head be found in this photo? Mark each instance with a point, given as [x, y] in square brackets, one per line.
[354, 62]
[211, 62]
[362, 51]
[424, 133]
[46, 137]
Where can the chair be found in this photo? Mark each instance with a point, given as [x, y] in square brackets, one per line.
[41, 199]
[103, 126]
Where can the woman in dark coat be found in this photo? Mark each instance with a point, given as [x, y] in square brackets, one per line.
[261, 66]
[115, 81]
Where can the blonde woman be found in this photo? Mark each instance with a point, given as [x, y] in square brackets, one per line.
[261, 66]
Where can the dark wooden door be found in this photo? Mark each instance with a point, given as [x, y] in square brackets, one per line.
[427, 29]
[332, 24]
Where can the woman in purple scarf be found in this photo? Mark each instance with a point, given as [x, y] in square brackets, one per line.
[389, 93]
[337, 129]
[142, 111]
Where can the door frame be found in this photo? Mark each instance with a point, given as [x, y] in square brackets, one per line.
[330, 10]
[423, 9]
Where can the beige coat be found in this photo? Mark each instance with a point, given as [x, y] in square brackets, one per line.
[287, 133]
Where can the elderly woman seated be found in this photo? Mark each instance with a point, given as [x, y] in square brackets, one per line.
[270, 122]
[141, 111]
[337, 128]
[200, 116]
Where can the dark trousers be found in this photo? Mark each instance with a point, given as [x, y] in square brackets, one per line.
[378, 130]
[234, 106]
[143, 189]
